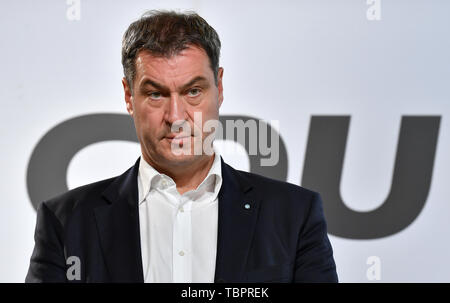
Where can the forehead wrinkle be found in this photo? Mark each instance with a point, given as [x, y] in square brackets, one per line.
[167, 71]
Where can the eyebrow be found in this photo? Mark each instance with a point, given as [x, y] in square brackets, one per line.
[183, 87]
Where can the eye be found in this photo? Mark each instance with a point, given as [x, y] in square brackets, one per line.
[155, 95]
[194, 92]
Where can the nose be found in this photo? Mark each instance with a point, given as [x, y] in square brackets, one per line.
[176, 109]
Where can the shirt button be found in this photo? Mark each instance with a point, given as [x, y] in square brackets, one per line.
[181, 209]
[181, 253]
[164, 183]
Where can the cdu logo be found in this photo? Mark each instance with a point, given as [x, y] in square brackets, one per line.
[322, 170]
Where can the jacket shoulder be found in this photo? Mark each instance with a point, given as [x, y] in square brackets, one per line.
[268, 185]
[284, 199]
[86, 196]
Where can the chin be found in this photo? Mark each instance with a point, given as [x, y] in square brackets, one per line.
[180, 159]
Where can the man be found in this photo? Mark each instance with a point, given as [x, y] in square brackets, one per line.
[179, 215]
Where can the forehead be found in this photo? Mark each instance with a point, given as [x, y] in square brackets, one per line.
[190, 62]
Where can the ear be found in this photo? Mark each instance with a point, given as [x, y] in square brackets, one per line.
[128, 96]
[219, 85]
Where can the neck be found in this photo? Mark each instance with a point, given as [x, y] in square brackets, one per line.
[187, 177]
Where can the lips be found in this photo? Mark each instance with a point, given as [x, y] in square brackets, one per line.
[179, 138]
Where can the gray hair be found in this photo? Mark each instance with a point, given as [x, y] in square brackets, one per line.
[166, 33]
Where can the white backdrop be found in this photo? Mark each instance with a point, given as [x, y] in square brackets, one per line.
[283, 60]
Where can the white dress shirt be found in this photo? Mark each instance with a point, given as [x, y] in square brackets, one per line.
[178, 232]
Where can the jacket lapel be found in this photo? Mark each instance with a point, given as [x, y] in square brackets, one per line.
[236, 225]
[119, 231]
[118, 228]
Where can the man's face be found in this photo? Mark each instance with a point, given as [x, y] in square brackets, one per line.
[167, 91]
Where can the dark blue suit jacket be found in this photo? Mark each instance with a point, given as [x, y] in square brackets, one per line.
[282, 237]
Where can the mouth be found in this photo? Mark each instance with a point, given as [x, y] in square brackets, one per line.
[177, 138]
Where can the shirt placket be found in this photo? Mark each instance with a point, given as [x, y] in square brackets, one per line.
[182, 242]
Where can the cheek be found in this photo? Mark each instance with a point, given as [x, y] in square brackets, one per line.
[209, 113]
[150, 122]
[212, 111]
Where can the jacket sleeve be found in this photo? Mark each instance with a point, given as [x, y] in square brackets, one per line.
[47, 262]
[314, 259]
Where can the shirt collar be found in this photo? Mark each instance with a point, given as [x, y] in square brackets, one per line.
[149, 178]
